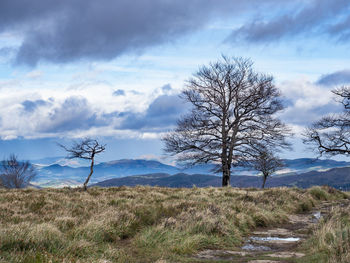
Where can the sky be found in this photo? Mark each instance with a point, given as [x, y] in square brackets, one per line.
[113, 69]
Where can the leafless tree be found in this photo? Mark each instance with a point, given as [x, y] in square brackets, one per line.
[233, 108]
[85, 149]
[16, 174]
[331, 134]
[264, 161]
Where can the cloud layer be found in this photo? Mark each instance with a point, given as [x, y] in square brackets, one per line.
[65, 31]
[96, 111]
[307, 18]
[105, 111]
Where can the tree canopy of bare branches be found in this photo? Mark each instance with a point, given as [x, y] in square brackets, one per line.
[233, 108]
[16, 174]
[265, 161]
[85, 149]
[331, 134]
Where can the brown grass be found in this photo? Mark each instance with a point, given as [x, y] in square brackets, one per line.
[141, 224]
[330, 242]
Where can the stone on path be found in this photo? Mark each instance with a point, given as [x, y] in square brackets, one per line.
[281, 232]
[286, 254]
[220, 254]
[263, 261]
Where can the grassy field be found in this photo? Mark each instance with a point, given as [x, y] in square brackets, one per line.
[149, 224]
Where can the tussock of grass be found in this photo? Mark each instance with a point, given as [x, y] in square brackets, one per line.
[141, 224]
[319, 193]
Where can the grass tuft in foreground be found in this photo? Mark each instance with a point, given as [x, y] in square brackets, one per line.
[330, 242]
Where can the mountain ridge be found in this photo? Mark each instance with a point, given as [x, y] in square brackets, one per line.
[336, 177]
[58, 175]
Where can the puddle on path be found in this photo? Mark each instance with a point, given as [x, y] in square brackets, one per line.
[317, 215]
[251, 247]
[257, 243]
[282, 239]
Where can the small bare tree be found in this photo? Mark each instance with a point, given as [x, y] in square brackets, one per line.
[233, 109]
[264, 161]
[16, 174]
[331, 134]
[85, 149]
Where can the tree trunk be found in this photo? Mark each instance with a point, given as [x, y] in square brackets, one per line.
[264, 181]
[91, 171]
[225, 177]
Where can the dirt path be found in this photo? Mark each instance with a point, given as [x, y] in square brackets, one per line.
[273, 245]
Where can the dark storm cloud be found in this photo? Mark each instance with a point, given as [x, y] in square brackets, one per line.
[335, 78]
[162, 113]
[316, 17]
[71, 30]
[64, 31]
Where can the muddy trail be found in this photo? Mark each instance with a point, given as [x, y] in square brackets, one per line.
[274, 245]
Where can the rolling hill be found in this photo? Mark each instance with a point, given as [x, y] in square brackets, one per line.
[336, 177]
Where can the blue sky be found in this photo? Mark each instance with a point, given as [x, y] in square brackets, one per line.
[114, 69]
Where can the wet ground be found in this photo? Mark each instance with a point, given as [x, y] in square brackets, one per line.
[272, 245]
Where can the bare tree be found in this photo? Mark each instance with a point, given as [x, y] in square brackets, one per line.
[233, 108]
[331, 134]
[264, 161]
[85, 149]
[15, 174]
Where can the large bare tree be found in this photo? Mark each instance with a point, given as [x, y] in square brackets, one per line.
[85, 149]
[233, 108]
[16, 174]
[331, 134]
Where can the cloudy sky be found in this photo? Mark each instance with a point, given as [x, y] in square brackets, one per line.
[113, 69]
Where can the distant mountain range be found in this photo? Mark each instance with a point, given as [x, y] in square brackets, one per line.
[335, 177]
[61, 172]
[161, 179]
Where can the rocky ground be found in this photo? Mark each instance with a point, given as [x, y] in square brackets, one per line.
[274, 245]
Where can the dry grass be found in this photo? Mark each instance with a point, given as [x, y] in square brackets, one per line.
[141, 224]
[330, 242]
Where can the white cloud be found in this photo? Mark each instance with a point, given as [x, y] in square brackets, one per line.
[86, 109]
[306, 103]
